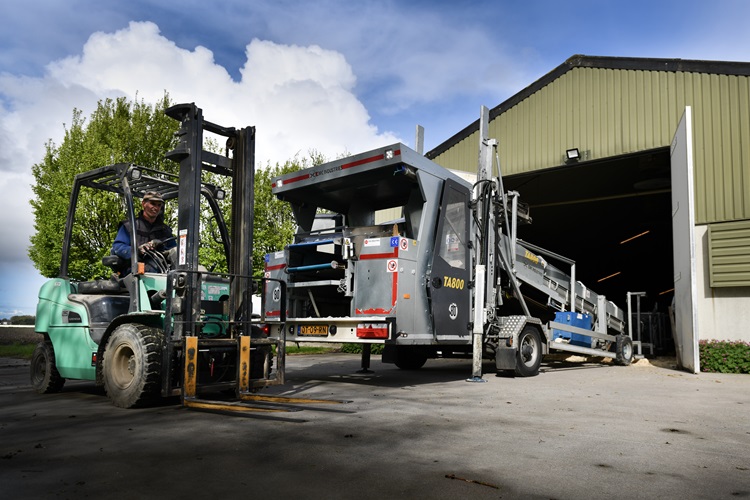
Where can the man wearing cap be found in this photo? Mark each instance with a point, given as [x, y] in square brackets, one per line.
[150, 232]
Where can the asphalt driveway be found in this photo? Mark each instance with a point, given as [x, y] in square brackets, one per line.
[578, 430]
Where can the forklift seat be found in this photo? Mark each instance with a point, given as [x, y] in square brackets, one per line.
[104, 287]
[115, 263]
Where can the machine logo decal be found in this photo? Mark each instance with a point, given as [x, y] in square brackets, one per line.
[533, 258]
[455, 283]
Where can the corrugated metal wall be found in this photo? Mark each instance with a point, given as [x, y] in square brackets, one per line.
[729, 254]
[609, 112]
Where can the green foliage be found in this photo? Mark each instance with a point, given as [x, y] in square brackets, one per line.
[118, 131]
[724, 356]
[274, 224]
[357, 348]
[211, 251]
[22, 320]
[305, 349]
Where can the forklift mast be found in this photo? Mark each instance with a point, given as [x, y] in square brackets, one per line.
[240, 167]
[186, 309]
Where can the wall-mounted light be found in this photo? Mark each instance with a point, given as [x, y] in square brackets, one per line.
[572, 154]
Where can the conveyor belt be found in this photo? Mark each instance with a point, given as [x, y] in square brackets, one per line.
[533, 270]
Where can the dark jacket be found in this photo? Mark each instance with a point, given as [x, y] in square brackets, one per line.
[144, 232]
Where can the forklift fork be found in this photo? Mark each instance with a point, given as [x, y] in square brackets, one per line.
[248, 402]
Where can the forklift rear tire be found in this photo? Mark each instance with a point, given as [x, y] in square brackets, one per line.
[45, 378]
[624, 350]
[131, 365]
[529, 353]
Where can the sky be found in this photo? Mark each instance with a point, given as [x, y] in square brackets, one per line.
[326, 75]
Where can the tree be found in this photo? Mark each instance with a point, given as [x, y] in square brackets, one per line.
[134, 132]
[22, 320]
[274, 224]
[117, 131]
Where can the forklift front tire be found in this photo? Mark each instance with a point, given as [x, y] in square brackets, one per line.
[132, 365]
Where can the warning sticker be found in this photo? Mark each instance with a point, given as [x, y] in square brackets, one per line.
[183, 246]
[391, 265]
[403, 244]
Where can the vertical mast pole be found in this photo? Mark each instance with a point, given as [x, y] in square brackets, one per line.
[483, 269]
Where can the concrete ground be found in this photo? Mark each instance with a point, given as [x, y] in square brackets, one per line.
[578, 430]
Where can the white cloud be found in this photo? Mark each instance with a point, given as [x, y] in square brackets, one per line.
[302, 98]
[299, 98]
[33, 112]
[407, 53]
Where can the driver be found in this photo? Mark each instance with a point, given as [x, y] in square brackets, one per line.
[150, 232]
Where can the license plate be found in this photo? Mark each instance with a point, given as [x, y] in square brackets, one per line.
[312, 330]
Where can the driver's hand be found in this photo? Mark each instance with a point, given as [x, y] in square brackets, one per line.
[146, 247]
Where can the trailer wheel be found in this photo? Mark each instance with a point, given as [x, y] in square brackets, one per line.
[529, 353]
[131, 365]
[45, 378]
[624, 350]
[408, 358]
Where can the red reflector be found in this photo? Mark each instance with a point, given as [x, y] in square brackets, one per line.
[93, 359]
[372, 331]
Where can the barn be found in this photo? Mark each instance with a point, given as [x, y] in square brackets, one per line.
[639, 170]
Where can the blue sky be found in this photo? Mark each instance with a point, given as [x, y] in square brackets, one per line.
[335, 76]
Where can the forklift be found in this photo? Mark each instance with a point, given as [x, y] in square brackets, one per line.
[182, 331]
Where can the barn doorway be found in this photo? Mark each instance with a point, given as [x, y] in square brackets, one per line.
[613, 217]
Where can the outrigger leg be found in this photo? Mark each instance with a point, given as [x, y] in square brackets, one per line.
[366, 350]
